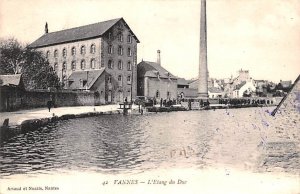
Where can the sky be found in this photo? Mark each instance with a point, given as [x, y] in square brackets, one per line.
[260, 36]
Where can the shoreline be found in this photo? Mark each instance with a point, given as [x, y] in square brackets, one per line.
[40, 117]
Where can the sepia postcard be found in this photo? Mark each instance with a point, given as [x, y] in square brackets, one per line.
[149, 96]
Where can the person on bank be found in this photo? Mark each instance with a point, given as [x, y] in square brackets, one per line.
[49, 104]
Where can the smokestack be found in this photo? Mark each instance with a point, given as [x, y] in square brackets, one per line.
[46, 28]
[203, 72]
[158, 57]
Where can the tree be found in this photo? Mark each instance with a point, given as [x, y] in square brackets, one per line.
[37, 72]
[11, 56]
[35, 69]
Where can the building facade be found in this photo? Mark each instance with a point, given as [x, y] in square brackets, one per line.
[109, 45]
[154, 81]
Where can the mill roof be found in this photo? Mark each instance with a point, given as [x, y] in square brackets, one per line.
[77, 33]
[151, 69]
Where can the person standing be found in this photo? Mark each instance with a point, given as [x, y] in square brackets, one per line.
[49, 104]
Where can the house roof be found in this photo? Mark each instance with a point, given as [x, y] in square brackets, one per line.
[214, 90]
[75, 34]
[237, 87]
[90, 76]
[150, 69]
[182, 81]
[7, 80]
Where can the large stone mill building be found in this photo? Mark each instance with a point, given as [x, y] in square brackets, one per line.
[101, 57]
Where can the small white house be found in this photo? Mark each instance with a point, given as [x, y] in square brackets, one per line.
[214, 92]
[244, 87]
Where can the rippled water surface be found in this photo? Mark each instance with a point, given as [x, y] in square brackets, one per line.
[117, 143]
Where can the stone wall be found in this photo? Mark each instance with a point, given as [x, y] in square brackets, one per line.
[33, 99]
[163, 86]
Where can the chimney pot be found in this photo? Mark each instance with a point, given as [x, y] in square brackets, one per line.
[158, 57]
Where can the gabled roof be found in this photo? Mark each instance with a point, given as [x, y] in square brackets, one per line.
[77, 77]
[151, 69]
[78, 33]
[237, 87]
[8, 80]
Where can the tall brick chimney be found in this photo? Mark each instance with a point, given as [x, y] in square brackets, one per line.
[203, 71]
[158, 57]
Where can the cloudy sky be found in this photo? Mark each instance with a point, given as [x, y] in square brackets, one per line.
[260, 36]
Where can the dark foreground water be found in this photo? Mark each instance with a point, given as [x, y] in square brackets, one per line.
[243, 138]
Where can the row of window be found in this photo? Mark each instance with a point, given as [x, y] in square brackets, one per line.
[120, 37]
[73, 51]
[120, 50]
[120, 79]
[120, 65]
[92, 65]
[92, 50]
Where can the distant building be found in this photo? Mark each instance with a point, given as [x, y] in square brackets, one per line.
[285, 86]
[214, 88]
[11, 92]
[243, 89]
[214, 92]
[109, 45]
[154, 81]
[235, 87]
[184, 90]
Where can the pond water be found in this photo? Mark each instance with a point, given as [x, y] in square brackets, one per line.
[243, 139]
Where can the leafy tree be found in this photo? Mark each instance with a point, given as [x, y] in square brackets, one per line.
[11, 56]
[35, 69]
[37, 72]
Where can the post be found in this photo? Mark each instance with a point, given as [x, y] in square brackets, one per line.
[87, 80]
